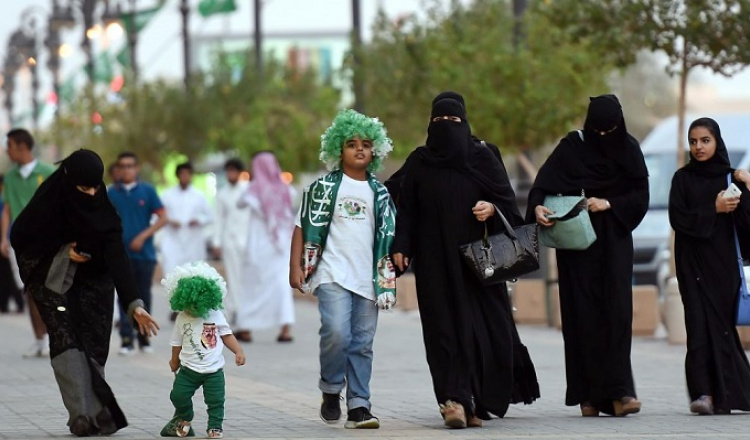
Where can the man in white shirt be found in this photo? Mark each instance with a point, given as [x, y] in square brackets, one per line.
[187, 209]
[230, 232]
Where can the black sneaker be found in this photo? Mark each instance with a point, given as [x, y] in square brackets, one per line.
[330, 409]
[360, 418]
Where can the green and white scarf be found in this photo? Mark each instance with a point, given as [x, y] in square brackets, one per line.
[318, 203]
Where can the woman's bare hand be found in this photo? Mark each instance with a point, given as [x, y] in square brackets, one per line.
[541, 212]
[147, 325]
[483, 210]
[725, 205]
[75, 256]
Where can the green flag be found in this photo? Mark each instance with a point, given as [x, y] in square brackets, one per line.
[67, 90]
[210, 7]
[136, 21]
[103, 72]
[123, 57]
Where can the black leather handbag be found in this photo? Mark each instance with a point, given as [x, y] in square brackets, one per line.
[505, 256]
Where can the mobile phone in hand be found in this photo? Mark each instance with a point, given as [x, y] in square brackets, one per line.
[732, 191]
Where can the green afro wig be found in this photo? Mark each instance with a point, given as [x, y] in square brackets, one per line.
[195, 288]
[349, 124]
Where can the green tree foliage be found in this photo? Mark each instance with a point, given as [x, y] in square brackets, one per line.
[714, 34]
[228, 109]
[646, 94]
[518, 97]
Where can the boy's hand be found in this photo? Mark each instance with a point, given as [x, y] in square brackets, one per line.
[174, 365]
[386, 301]
[297, 278]
[239, 359]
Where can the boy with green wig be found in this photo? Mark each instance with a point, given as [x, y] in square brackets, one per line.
[196, 291]
[340, 252]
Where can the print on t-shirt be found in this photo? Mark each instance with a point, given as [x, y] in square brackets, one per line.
[352, 208]
[208, 336]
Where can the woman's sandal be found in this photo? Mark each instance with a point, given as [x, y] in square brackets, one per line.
[588, 410]
[626, 405]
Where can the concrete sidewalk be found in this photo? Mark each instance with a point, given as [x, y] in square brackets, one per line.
[275, 394]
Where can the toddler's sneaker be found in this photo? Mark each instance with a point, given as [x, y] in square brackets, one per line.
[215, 433]
[361, 418]
[177, 428]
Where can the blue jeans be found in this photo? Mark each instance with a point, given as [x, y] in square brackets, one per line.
[348, 322]
[143, 271]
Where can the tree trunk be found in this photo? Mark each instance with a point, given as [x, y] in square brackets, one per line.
[681, 109]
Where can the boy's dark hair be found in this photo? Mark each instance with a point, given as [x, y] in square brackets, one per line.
[235, 163]
[127, 155]
[184, 166]
[21, 136]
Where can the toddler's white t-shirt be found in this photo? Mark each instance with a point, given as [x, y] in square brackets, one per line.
[202, 346]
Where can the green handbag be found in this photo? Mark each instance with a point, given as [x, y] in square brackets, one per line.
[572, 228]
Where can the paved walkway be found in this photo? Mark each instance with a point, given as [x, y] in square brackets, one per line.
[275, 394]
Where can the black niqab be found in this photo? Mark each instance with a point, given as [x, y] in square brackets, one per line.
[719, 163]
[59, 213]
[450, 145]
[597, 161]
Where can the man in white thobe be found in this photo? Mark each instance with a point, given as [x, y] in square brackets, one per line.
[231, 225]
[187, 209]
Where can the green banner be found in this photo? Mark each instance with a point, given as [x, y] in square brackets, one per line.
[210, 7]
[136, 21]
[103, 71]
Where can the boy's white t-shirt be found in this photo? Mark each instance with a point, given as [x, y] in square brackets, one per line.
[202, 346]
[347, 256]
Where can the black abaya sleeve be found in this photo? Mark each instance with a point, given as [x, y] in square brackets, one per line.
[630, 208]
[742, 219]
[406, 219]
[692, 219]
[535, 198]
[504, 197]
[118, 267]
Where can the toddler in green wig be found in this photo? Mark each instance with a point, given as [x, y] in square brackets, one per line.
[196, 291]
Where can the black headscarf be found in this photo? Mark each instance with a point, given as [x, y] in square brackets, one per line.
[59, 213]
[448, 142]
[449, 94]
[450, 145]
[719, 163]
[598, 161]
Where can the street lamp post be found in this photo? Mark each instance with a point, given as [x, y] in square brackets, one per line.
[258, 37]
[59, 19]
[87, 8]
[132, 34]
[185, 11]
[356, 55]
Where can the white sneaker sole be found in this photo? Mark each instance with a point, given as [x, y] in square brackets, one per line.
[368, 424]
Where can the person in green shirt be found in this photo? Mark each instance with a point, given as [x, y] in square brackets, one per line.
[21, 181]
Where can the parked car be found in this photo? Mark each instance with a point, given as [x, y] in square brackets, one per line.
[651, 239]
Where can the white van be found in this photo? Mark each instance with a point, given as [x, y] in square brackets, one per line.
[651, 237]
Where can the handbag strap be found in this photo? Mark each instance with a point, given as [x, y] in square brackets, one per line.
[507, 225]
[743, 286]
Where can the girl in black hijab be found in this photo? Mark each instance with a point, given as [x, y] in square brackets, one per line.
[596, 295]
[716, 368]
[68, 241]
[477, 362]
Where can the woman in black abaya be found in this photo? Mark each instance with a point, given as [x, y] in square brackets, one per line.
[596, 296]
[68, 241]
[716, 368]
[477, 362]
